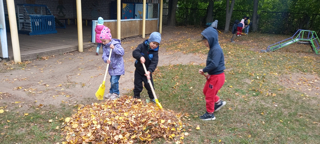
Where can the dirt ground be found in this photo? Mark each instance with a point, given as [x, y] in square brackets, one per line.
[75, 77]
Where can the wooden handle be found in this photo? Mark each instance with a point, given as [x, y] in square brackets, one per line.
[149, 81]
[105, 75]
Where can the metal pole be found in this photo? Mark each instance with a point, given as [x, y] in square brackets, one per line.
[79, 19]
[14, 31]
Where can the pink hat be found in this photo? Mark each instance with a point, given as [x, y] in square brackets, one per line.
[106, 34]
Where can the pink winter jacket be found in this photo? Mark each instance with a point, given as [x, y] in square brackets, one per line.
[242, 21]
[98, 32]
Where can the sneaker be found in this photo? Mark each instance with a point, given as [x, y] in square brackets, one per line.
[107, 96]
[114, 96]
[207, 116]
[219, 105]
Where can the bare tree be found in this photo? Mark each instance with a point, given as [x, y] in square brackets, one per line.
[209, 17]
[229, 11]
[172, 12]
[255, 16]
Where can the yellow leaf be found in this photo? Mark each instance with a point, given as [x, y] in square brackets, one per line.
[230, 86]
[57, 127]
[17, 102]
[74, 125]
[8, 121]
[26, 114]
[95, 122]
[50, 121]
[134, 136]
[67, 119]
[249, 136]
[1, 110]
[162, 121]
[198, 127]
[125, 114]
[219, 140]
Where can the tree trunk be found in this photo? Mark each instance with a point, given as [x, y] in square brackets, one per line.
[255, 16]
[209, 12]
[229, 11]
[172, 12]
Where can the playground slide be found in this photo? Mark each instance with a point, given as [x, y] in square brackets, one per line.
[311, 37]
[280, 45]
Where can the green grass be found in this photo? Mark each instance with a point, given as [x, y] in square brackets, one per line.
[259, 108]
[33, 127]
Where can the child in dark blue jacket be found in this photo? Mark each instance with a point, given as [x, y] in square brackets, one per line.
[234, 29]
[215, 77]
[147, 53]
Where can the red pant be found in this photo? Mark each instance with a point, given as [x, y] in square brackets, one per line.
[239, 30]
[210, 90]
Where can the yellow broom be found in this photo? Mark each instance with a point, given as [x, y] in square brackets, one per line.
[100, 91]
[154, 94]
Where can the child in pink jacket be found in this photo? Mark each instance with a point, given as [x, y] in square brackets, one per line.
[98, 30]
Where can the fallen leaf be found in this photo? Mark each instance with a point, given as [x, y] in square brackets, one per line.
[198, 127]
[1, 111]
[50, 121]
[67, 119]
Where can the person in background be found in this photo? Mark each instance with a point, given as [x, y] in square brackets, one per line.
[234, 30]
[98, 30]
[247, 22]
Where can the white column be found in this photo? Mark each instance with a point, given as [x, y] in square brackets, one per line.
[14, 31]
[144, 19]
[3, 32]
[79, 23]
[161, 11]
[119, 19]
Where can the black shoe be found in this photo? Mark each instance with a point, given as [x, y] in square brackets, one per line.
[207, 116]
[218, 106]
[137, 97]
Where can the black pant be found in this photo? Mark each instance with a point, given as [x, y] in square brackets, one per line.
[138, 79]
[233, 36]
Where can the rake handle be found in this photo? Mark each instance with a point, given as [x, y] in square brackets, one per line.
[105, 75]
[149, 81]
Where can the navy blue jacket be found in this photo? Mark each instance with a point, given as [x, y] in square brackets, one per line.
[234, 28]
[151, 56]
[215, 59]
[240, 25]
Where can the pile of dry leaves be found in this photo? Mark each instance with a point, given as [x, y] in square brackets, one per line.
[124, 120]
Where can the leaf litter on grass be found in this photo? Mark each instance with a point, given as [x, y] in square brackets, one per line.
[124, 120]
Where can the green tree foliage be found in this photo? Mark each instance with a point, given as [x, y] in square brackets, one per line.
[274, 16]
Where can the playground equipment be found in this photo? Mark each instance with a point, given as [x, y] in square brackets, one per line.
[35, 19]
[301, 36]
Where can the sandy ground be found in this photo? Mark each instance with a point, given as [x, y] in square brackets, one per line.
[75, 77]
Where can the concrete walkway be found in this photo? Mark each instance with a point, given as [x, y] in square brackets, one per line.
[66, 40]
